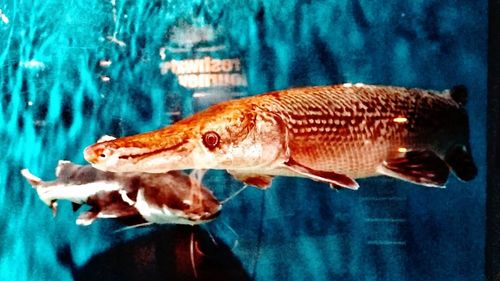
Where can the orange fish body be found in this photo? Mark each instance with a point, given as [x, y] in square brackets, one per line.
[333, 134]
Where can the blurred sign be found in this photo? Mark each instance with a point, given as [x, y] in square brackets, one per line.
[205, 72]
[199, 60]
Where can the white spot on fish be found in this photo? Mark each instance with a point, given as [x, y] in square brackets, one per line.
[308, 129]
[402, 149]
[327, 129]
[317, 121]
[359, 85]
[400, 120]
[323, 121]
[337, 122]
[314, 129]
[330, 121]
[347, 85]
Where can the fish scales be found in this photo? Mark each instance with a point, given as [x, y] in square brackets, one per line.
[355, 129]
[332, 134]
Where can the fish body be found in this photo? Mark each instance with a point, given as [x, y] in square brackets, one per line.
[172, 197]
[332, 134]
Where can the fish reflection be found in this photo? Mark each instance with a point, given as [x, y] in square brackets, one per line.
[170, 198]
[170, 253]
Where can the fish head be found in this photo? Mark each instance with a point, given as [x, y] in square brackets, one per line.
[227, 135]
[141, 153]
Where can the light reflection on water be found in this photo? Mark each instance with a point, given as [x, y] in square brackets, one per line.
[296, 230]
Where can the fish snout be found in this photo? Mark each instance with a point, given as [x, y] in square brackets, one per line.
[96, 153]
[91, 155]
[212, 213]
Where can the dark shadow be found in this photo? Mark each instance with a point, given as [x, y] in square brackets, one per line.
[163, 255]
[493, 152]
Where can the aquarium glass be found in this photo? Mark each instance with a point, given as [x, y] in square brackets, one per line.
[72, 71]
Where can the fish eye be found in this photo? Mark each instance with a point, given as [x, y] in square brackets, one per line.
[211, 139]
[103, 154]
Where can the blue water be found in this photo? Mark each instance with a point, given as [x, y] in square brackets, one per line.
[55, 100]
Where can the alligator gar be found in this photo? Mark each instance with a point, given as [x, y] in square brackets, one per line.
[333, 134]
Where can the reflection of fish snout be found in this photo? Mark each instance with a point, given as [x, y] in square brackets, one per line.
[211, 210]
[207, 211]
[211, 215]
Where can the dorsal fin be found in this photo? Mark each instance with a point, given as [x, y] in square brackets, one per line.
[459, 94]
[106, 138]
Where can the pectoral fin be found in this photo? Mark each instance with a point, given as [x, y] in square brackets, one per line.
[422, 167]
[260, 181]
[332, 178]
[75, 206]
[86, 218]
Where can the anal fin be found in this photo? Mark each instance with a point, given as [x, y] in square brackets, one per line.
[332, 178]
[260, 181]
[421, 167]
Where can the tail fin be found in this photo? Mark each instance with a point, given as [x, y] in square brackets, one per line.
[36, 183]
[459, 94]
[460, 160]
[32, 179]
[459, 157]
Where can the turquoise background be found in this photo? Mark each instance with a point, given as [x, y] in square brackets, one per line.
[298, 229]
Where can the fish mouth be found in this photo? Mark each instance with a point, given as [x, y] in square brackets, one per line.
[137, 156]
[207, 210]
[211, 216]
[202, 218]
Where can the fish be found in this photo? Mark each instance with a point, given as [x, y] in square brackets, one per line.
[169, 198]
[332, 134]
